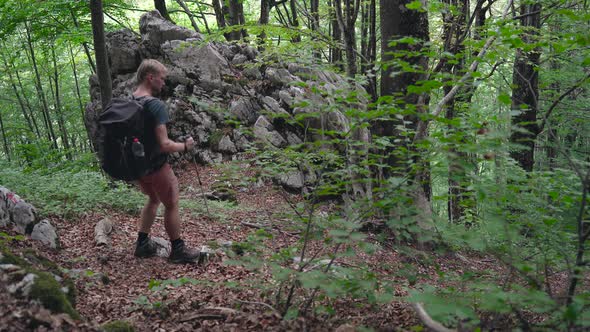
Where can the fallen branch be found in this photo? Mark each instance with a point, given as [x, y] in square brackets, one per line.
[262, 304]
[210, 313]
[429, 322]
[268, 228]
[201, 316]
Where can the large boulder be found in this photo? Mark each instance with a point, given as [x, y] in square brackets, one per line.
[123, 46]
[212, 84]
[155, 30]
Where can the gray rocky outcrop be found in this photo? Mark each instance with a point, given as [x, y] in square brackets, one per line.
[211, 86]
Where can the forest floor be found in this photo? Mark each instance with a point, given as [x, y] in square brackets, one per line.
[114, 285]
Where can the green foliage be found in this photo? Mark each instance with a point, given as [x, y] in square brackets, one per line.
[69, 192]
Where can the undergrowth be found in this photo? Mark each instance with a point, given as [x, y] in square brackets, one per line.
[69, 192]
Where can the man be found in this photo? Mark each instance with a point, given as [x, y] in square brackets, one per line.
[160, 185]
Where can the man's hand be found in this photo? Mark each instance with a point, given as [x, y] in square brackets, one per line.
[189, 143]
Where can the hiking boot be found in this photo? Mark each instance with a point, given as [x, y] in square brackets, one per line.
[146, 249]
[182, 254]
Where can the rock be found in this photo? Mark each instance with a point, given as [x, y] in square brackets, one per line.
[23, 216]
[241, 141]
[46, 233]
[292, 138]
[250, 52]
[122, 46]
[155, 30]
[223, 191]
[293, 181]
[226, 51]
[208, 157]
[239, 59]
[226, 145]
[163, 247]
[245, 110]
[24, 286]
[264, 131]
[271, 105]
[279, 76]
[204, 61]
[252, 72]
[102, 230]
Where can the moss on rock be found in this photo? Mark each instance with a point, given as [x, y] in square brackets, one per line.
[48, 291]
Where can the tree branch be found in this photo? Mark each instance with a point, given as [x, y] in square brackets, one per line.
[423, 125]
[558, 100]
[429, 322]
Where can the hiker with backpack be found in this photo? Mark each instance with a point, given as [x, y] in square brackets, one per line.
[135, 148]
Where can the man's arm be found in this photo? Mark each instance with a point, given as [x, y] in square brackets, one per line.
[167, 145]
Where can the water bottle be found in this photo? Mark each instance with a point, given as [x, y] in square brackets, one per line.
[137, 148]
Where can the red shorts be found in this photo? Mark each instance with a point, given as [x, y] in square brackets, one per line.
[161, 185]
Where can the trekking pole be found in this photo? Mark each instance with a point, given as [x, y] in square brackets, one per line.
[201, 185]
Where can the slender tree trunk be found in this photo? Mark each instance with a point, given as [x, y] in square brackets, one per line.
[58, 107]
[525, 92]
[19, 98]
[79, 96]
[336, 49]
[369, 46]
[84, 44]
[220, 14]
[160, 5]
[4, 138]
[28, 104]
[102, 65]
[346, 21]
[295, 21]
[188, 13]
[315, 25]
[235, 16]
[265, 7]
[455, 18]
[39, 86]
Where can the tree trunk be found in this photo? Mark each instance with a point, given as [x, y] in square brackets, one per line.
[525, 91]
[78, 95]
[346, 21]
[396, 22]
[336, 48]
[39, 87]
[32, 129]
[160, 5]
[188, 13]
[84, 44]
[4, 138]
[235, 16]
[369, 47]
[315, 25]
[28, 104]
[103, 70]
[58, 107]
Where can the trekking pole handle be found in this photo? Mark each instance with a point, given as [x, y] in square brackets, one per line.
[189, 143]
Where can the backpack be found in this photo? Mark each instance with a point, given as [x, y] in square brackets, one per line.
[127, 144]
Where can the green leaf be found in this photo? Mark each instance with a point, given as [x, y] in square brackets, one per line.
[415, 5]
[505, 99]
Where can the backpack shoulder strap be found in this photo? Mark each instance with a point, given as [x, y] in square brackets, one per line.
[143, 99]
